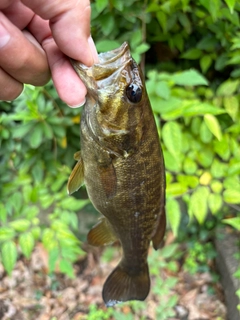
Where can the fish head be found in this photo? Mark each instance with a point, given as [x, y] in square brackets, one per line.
[116, 90]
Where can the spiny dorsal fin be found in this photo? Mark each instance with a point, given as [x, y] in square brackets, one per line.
[101, 234]
[76, 179]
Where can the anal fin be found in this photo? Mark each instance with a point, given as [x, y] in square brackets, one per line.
[160, 231]
[76, 179]
[101, 234]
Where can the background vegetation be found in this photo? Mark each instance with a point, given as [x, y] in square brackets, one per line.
[190, 51]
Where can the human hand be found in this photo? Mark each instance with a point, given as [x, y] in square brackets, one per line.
[36, 35]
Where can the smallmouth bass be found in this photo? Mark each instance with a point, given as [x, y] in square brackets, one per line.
[122, 166]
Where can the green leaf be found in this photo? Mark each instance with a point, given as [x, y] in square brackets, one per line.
[189, 78]
[198, 204]
[6, 233]
[213, 125]
[26, 242]
[106, 45]
[67, 268]
[9, 255]
[231, 5]
[36, 137]
[101, 5]
[172, 137]
[143, 47]
[215, 202]
[53, 257]
[231, 104]
[162, 19]
[234, 222]
[171, 163]
[20, 224]
[232, 196]
[228, 87]
[173, 214]
[205, 63]
[189, 166]
[162, 90]
[192, 54]
[176, 189]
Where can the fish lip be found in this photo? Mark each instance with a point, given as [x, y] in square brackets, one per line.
[109, 62]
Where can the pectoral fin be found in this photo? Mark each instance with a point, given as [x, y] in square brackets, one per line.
[76, 179]
[160, 231]
[101, 234]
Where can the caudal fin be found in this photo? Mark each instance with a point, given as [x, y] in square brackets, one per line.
[124, 285]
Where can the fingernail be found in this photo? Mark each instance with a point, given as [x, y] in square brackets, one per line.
[4, 36]
[93, 49]
[78, 105]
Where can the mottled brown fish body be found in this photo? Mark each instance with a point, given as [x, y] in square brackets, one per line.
[122, 166]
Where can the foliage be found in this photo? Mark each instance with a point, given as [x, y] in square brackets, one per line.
[34, 205]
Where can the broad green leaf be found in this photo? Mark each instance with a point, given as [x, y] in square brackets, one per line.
[36, 232]
[189, 166]
[26, 242]
[188, 180]
[162, 19]
[171, 163]
[6, 233]
[205, 63]
[106, 45]
[199, 108]
[172, 137]
[230, 4]
[213, 125]
[218, 169]
[67, 268]
[173, 214]
[143, 47]
[48, 239]
[232, 196]
[228, 87]
[9, 255]
[205, 134]
[176, 189]
[20, 224]
[101, 5]
[222, 148]
[192, 54]
[36, 137]
[234, 222]
[198, 205]
[162, 90]
[23, 129]
[216, 186]
[231, 104]
[53, 257]
[189, 78]
[215, 202]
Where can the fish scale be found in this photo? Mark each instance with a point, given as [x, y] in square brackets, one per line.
[122, 166]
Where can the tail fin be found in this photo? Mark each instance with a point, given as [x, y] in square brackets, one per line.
[124, 285]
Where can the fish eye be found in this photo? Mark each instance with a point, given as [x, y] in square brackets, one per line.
[134, 93]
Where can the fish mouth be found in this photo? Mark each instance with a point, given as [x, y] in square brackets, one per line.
[110, 65]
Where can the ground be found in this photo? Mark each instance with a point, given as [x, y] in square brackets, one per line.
[30, 293]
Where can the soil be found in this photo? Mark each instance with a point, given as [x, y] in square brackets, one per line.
[31, 294]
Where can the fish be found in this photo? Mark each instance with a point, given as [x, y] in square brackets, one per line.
[121, 164]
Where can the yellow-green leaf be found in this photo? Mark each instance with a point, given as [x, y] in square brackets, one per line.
[213, 125]
[9, 255]
[173, 214]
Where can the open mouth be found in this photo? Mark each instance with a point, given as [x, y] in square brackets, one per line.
[109, 63]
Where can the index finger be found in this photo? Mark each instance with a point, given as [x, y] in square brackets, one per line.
[70, 25]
